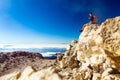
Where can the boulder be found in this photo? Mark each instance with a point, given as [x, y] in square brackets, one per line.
[30, 74]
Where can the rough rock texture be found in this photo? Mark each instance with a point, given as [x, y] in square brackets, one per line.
[31, 74]
[19, 60]
[95, 56]
[110, 40]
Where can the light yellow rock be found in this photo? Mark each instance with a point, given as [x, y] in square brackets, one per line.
[11, 76]
[98, 46]
[112, 77]
[69, 59]
[47, 74]
[97, 59]
[105, 40]
[96, 76]
[87, 46]
[26, 73]
[29, 74]
[109, 32]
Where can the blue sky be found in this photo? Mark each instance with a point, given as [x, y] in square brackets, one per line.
[49, 21]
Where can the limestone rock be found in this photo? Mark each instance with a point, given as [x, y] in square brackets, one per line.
[97, 50]
[104, 41]
[69, 60]
[109, 33]
[96, 76]
[11, 76]
[31, 74]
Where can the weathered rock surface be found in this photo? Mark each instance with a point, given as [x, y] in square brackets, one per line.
[19, 60]
[31, 74]
[96, 52]
[95, 56]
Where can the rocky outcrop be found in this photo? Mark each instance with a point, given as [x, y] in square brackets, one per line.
[59, 57]
[16, 54]
[19, 60]
[109, 33]
[95, 56]
[31, 74]
[68, 59]
[97, 53]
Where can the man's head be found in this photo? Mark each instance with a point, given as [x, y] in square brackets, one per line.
[90, 14]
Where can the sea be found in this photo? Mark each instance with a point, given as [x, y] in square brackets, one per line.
[48, 51]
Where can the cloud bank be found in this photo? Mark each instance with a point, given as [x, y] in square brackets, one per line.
[27, 46]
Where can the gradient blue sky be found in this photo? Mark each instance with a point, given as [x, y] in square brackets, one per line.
[49, 21]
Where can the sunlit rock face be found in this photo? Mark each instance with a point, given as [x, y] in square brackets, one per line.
[110, 35]
[97, 50]
[30, 74]
[95, 56]
[103, 40]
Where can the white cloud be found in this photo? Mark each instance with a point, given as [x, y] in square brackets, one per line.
[9, 46]
[49, 54]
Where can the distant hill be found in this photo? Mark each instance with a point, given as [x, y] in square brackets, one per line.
[20, 59]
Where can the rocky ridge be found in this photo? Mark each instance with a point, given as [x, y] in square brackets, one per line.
[95, 56]
[97, 51]
[18, 60]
